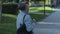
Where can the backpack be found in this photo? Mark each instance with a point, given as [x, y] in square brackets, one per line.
[22, 29]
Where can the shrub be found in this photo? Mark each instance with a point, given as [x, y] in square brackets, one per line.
[10, 8]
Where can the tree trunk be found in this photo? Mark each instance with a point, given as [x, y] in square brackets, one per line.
[0, 10]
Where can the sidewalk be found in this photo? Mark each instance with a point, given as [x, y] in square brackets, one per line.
[40, 13]
[50, 25]
[47, 29]
[54, 17]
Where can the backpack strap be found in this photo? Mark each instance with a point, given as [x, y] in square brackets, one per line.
[23, 19]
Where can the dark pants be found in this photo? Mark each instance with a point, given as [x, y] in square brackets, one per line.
[23, 32]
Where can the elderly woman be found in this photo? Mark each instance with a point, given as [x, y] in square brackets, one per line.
[24, 22]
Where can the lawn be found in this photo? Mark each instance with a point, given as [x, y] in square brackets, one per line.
[8, 24]
[38, 17]
[41, 9]
[7, 28]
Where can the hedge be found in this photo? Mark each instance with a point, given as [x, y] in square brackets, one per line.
[10, 8]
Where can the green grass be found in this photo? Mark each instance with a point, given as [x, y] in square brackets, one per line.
[41, 9]
[8, 24]
[7, 28]
[38, 17]
[11, 18]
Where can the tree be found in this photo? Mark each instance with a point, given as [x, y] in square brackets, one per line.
[17, 1]
[21, 0]
[37, 1]
[0, 10]
[1, 2]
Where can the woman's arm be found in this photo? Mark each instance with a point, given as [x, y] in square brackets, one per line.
[29, 23]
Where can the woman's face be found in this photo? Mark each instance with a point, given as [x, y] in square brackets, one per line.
[27, 7]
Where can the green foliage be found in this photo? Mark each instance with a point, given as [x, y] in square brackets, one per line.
[24, 0]
[10, 8]
[37, 0]
[17, 1]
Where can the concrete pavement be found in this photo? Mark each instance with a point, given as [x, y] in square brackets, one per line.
[47, 28]
[54, 17]
[50, 25]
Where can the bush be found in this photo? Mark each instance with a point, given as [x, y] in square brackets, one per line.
[10, 8]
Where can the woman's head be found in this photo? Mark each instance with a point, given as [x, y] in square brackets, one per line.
[23, 6]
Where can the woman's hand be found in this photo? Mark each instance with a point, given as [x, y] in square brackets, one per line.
[34, 20]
